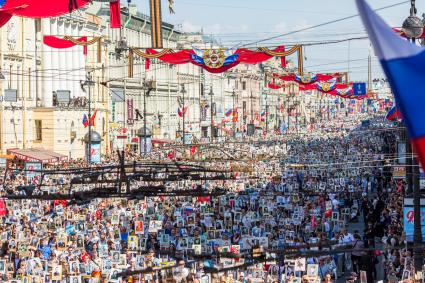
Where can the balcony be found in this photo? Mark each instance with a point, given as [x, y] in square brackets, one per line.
[74, 103]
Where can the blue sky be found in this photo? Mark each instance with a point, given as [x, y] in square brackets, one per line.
[236, 22]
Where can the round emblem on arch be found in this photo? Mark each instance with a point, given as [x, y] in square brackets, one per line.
[214, 58]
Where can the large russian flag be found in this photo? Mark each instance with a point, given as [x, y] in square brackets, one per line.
[404, 66]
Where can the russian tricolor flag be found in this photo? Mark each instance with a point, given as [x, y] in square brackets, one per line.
[229, 112]
[393, 114]
[404, 66]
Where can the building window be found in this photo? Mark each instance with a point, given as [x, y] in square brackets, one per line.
[202, 89]
[243, 85]
[204, 113]
[38, 130]
[204, 132]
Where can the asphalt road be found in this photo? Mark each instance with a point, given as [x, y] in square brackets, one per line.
[359, 226]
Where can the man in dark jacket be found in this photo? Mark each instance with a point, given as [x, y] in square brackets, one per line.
[367, 263]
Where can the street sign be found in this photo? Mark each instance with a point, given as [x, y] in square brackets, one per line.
[359, 88]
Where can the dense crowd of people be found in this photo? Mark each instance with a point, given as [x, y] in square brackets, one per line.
[286, 217]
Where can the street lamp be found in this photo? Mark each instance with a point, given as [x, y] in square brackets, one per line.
[233, 113]
[277, 126]
[211, 114]
[86, 87]
[413, 26]
[267, 114]
[147, 89]
[183, 91]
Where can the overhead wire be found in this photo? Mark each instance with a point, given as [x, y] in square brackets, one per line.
[322, 24]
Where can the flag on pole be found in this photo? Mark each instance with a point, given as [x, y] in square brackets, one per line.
[181, 111]
[115, 14]
[93, 118]
[393, 114]
[404, 66]
[85, 121]
[228, 112]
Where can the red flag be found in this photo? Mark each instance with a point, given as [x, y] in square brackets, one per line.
[203, 199]
[171, 154]
[235, 115]
[147, 60]
[115, 14]
[84, 39]
[283, 59]
[193, 149]
[85, 121]
[93, 118]
[3, 210]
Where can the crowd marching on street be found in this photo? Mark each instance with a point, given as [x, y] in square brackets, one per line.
[286, 219]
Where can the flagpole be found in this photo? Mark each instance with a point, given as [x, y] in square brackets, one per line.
[413, 28]
[233, 113]
[211, 114]
[267, 110]
[183, 91]
[144, 118]
[89, 81]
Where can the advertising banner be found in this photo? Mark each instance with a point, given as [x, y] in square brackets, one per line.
[95, 153]
[408, 217]
[148, 145]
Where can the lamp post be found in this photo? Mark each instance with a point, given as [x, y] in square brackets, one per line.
[233, 113]
[277, 117]
[288, 111]
[413, 28]
[88, 83]
[146, 86]
[183, 91]
[267, 114]
[211, 114]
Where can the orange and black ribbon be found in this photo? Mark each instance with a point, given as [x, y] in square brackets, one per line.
[155, 6]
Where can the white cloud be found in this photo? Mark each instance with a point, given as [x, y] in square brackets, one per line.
[212, 29]
[189, 27]
[207, 29]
